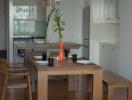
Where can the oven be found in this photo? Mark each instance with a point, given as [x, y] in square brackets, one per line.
[18, 54]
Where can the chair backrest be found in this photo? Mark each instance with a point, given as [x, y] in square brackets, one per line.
[3, 75]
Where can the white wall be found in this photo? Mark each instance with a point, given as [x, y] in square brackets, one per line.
[100, 32]
[72, 14]
[125, 51]
[2, 25]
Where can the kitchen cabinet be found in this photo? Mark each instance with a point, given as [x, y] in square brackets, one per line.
[29, 28]
[28, 19]
[108, 57]
[105, 11]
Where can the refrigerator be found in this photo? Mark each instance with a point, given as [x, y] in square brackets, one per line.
[86, 32]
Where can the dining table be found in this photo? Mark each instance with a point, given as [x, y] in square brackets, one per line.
[67, 67]
[29, 47]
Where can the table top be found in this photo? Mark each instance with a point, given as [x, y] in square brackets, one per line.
[26, 45]
[67, 67]
[69, 70]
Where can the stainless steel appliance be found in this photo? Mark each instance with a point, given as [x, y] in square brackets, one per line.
[86, 32]
[18, 54]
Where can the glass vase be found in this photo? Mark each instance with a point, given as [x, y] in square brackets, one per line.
[61, 52]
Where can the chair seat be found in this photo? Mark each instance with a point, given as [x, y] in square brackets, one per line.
[17, 83]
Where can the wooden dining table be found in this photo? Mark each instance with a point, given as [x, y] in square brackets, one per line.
[68, 68]
[29, 47]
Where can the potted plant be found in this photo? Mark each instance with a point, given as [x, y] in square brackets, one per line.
[58, 27]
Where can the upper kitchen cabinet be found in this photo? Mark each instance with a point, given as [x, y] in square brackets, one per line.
[29, 18]
[105, 11]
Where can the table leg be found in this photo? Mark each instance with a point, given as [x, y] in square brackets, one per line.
[72, 82]
[110, 92]
[129, 93]
[42, 86]
[97, 86]
[26, 54]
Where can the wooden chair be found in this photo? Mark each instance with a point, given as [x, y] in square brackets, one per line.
[13, 78]
[17, 67]
[3, 79]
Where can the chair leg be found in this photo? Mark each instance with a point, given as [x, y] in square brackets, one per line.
[29, 88]
[27, 92]
[3, 92]
[0, 91]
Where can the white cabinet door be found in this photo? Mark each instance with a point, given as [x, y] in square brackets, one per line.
[108, 58]
[114, 54]
[105, 56]
[105, 11]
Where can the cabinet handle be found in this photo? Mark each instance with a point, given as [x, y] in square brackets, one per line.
[113, 49]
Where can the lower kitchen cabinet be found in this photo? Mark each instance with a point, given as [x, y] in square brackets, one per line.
[108, 57]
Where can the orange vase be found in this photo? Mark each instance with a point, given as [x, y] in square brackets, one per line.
[61, 52]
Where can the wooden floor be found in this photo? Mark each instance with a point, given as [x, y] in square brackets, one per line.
[58, 90]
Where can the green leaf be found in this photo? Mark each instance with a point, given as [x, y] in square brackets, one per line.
[56, 29]
[61, 35]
